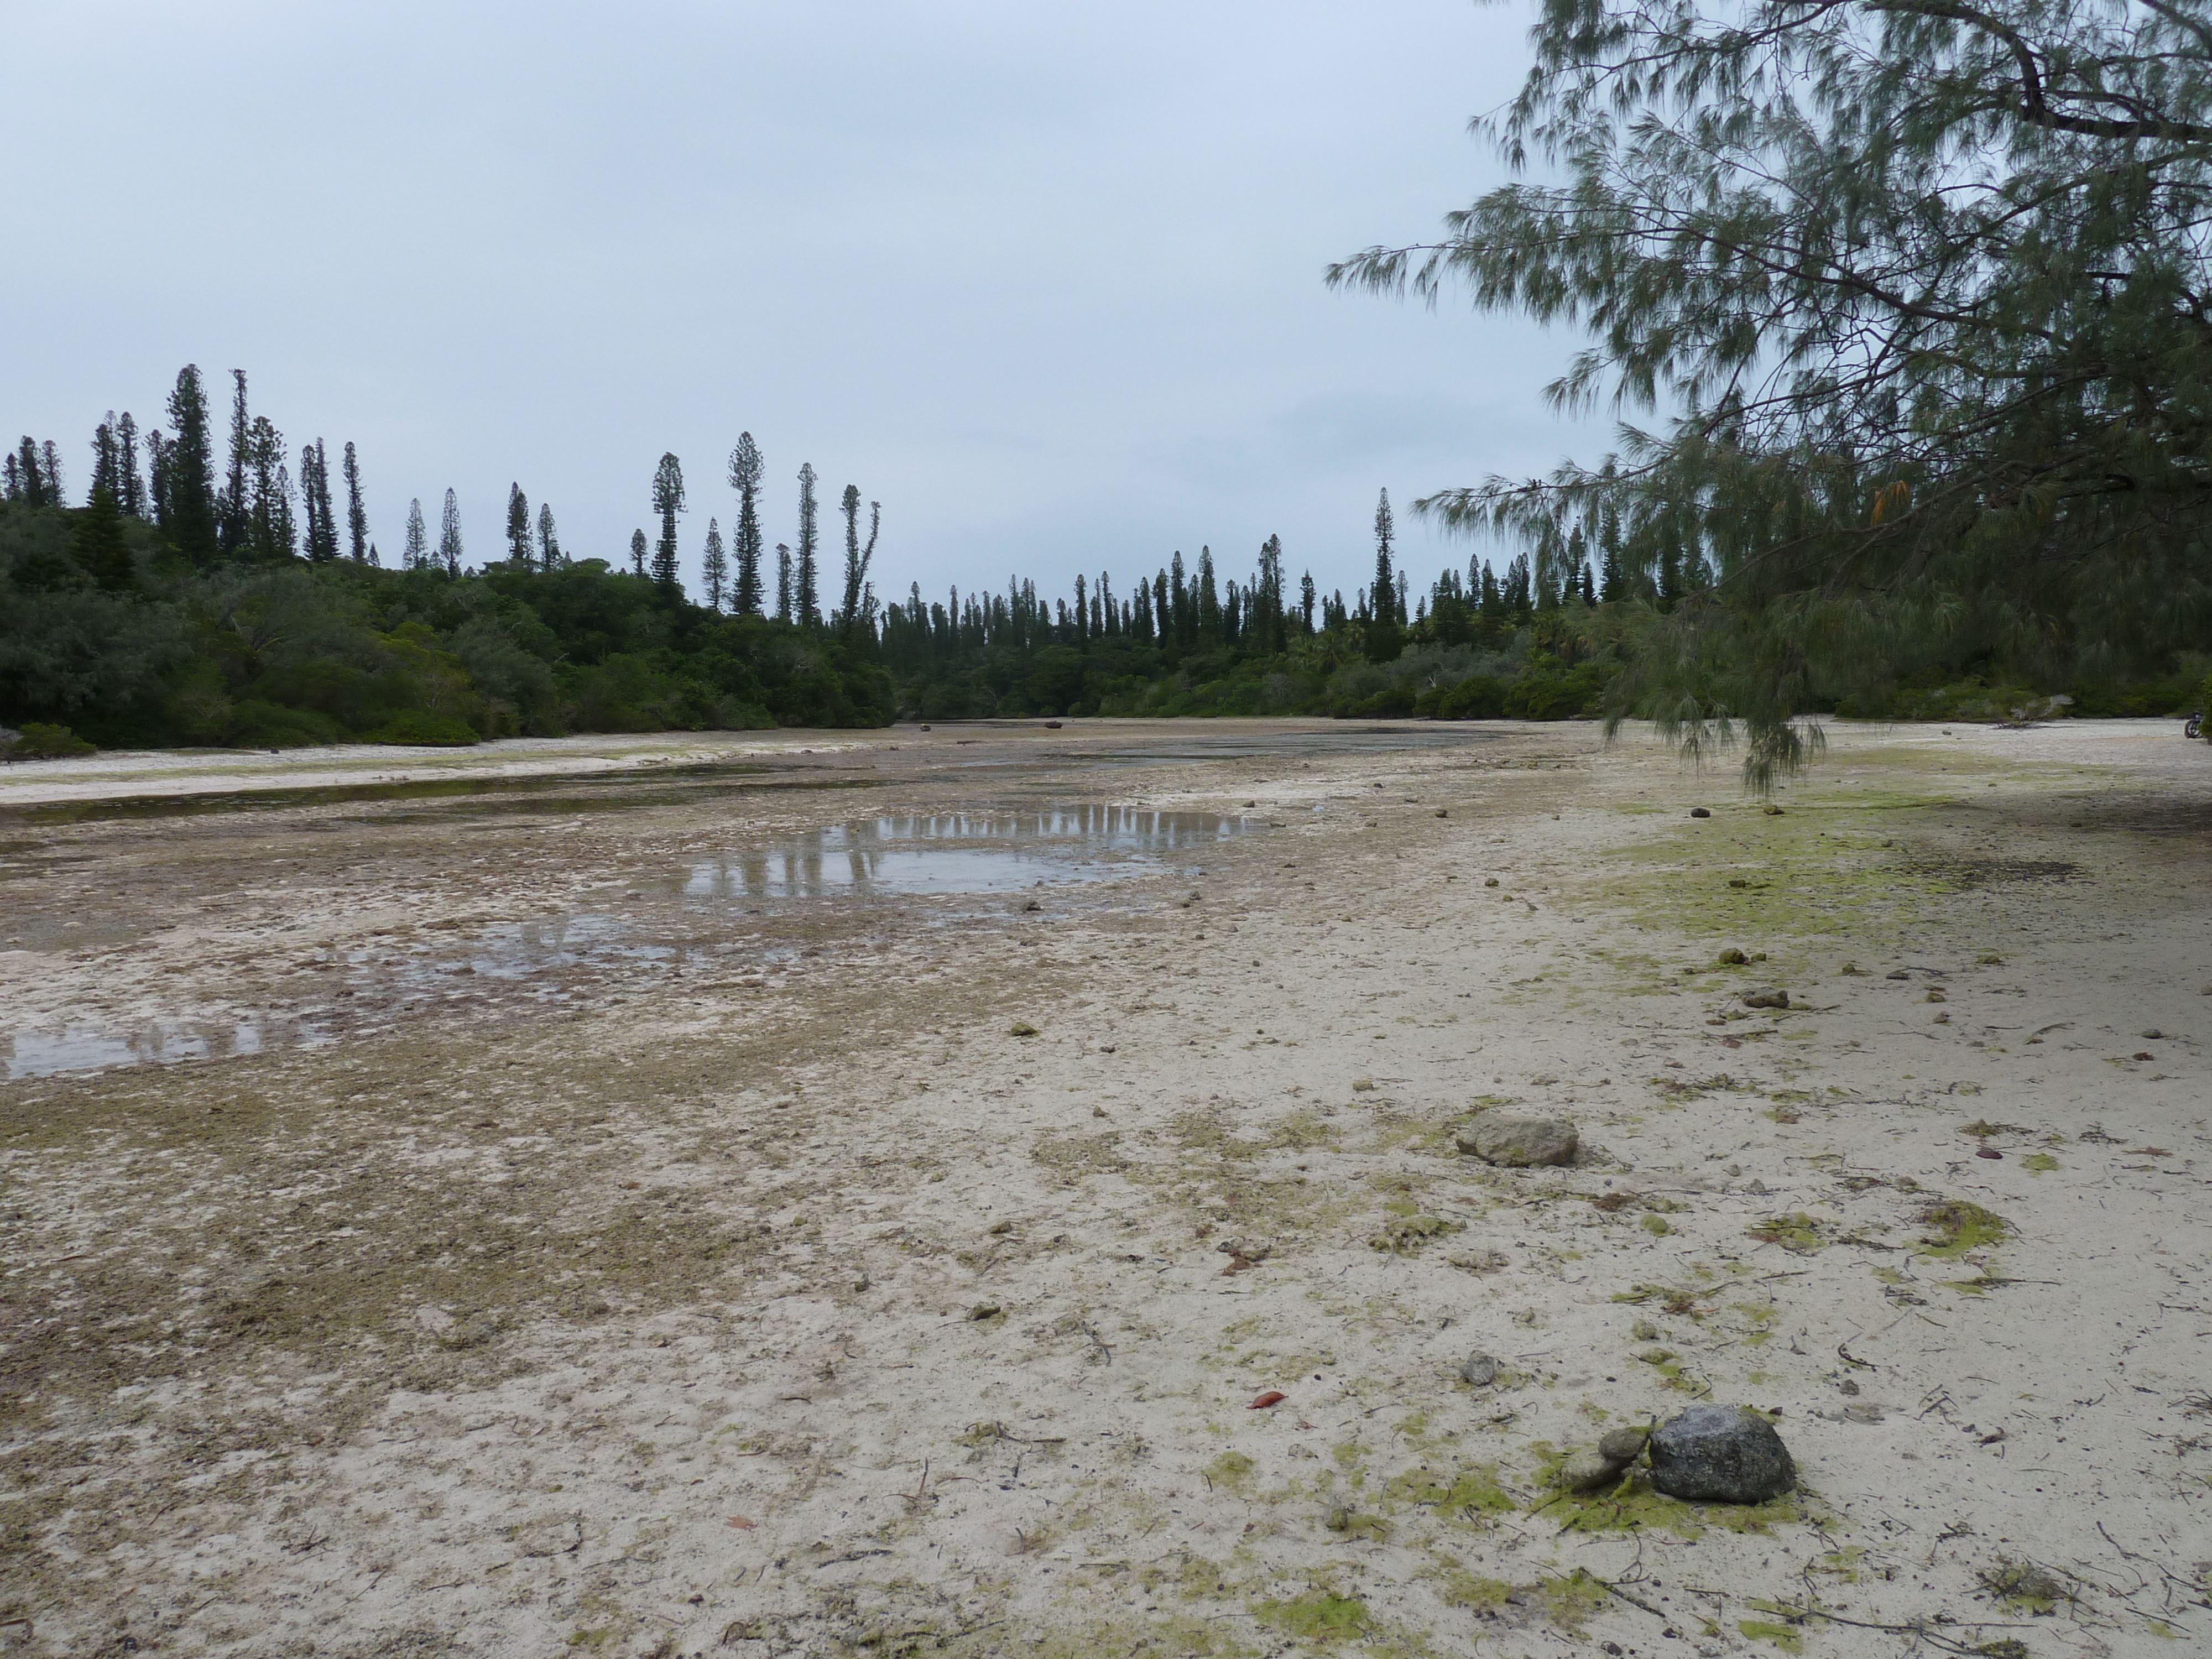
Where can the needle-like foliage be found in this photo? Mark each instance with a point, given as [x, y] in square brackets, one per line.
[1913, 296]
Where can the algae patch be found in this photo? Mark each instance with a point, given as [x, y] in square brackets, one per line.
[1765, 1629]
[1796, 1232]
[1317, 1616]
[1956, 1226]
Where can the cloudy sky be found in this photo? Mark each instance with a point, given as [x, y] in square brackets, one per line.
[1044, 280]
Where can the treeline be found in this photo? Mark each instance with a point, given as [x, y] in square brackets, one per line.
[248, 605]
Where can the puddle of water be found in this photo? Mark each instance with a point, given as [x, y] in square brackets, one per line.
[544, 960]
[95, 1048]
[960, 853]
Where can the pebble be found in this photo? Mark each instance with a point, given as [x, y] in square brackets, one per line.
[1480, 1369]
[1587, 1471]
[1623, 1445]
[1519, 1143]
[1721, 1455]
[1701, 811]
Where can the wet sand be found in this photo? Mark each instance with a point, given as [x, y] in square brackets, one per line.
[592, 1197]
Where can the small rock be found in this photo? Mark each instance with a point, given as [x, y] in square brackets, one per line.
[1492, 881]
[1623, 1445]
[1587, 1471]
[1479, 1370]
[1731, 957]
[1721, 1455]
[1701, 812]
[1021, 1028]
[984, 1311]
[1756, 1188]
[1032, 905]
[2153, 1034]
[1644, 1331]
[1365, 1085]
[1519, 1143]
[1001, 1229]
[1252, 1250]
[1776, 999]
[1771, 810]
[1442, 813]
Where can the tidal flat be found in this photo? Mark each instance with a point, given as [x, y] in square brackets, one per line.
[844, 1193]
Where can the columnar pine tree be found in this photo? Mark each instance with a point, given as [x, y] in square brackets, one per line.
[98, 545]
[809, 539]
[185, 500]
[637, 551]
[667, 503]
[449, 537]
[517, 527]
[417, 551]
[104, 469]
[132, 501]
[1383, 638]
[267, 482]
[284, 527]
[1306, 601]
[783, 582]
[322, 523]
[714, 566]
[745, 466]
[50, 460]
[157, 512]
[357, 513]
[858, 611]
[548, 542]
[233, 515]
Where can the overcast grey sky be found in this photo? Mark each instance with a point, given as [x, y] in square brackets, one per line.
[1046, 280]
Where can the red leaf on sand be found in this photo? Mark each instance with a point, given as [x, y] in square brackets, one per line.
[1273, 1397]
[741, 1522]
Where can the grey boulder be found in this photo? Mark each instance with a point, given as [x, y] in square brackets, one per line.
[1721, 1455]
[1519, 1143]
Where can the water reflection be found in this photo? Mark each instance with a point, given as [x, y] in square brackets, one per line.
[959, 853]
[91, 1049]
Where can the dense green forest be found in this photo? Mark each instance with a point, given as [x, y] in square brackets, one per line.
[177, 606]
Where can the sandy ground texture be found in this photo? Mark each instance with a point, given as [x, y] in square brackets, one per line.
[645, 1197]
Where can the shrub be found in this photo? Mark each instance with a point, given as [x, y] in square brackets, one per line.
[39, 741]
[421, 728]
[256, 724]
[1477, 697]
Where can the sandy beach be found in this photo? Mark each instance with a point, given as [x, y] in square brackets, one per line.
[797, 1194]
